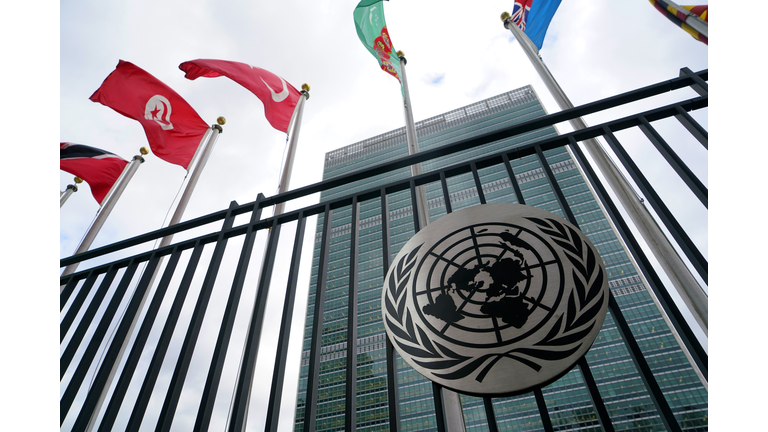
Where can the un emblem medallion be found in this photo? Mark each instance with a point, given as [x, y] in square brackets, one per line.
[495, 299]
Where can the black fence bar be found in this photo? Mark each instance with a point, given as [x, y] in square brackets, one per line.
[310, 410]
[138, 345]
[242, 398]
[677, 232]
[513, 179]
[281, 357]
[193, 331]
[621, 324]
[416, 209]
[646, 374]
[446, 195]
[490, 415]
[693, 127]
[69, 287]
[594, 394]
[478, 185]
[437, 393]
[77, 303]
[698, 84]
[668, 305]
[555, 186]
[350, 399]
[392, 397]
[161, 348]
[110, 359]
[90, 312]
[682, 170]
[98, 335]
[205, 411]
[546, 422]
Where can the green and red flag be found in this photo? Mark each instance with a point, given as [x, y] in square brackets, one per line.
[372, 30]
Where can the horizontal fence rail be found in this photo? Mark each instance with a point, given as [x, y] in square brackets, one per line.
[116, 311]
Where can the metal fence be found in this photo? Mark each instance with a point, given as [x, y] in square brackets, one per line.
[90, 309]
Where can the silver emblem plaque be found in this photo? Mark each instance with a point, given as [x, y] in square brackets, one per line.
[495, 299]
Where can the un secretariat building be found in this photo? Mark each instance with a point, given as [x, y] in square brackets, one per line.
[570, 408]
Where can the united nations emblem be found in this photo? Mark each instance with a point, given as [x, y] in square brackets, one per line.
[495, 299]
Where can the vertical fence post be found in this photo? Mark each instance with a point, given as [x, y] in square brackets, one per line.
[350, 402]
[281, 358]
[310, 412]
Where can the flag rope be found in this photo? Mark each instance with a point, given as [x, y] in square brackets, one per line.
[141, 274]
[282, 164]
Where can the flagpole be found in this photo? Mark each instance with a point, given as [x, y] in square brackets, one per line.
[197, 170]
[454, 414]
[106, 208]
[413, 144]
[204, 150]
[261, 298]
[691, 19]
[285, 178]
[689, 289]
[72, 188]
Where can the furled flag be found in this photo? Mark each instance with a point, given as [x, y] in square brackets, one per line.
[680, 18]
[372, 31]
[279, 97]
[99, 168]
[533, 17]
[174, 130]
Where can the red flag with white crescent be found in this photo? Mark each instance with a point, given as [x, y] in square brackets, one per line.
[278, 96]
[99, 168]
[173, 127]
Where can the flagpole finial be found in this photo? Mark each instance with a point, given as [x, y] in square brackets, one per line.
[144, 151]
[400, 53]
[221, 120]
[78, 180]
[305, 87]
[505, 15]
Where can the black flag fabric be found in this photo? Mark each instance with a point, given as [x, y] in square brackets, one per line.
[99, 168]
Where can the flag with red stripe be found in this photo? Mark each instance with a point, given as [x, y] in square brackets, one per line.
[173, 128]
[99, 168]
[278, 96]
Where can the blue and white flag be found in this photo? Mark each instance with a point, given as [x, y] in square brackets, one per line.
[533, 17]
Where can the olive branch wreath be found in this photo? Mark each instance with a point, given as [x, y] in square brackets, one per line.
[584, 304]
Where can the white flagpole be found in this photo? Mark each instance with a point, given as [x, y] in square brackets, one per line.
[285, 181]
[64, 196]
[285, 177]
[689, 289]
[413, 144]
[454, 414]
[106, 208]
[204, 151]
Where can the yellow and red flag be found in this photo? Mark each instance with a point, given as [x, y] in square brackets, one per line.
[681, 18]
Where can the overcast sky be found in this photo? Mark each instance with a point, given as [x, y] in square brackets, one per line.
[457, 54]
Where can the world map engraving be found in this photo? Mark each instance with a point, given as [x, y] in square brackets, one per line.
[486, 283]
[498, 278]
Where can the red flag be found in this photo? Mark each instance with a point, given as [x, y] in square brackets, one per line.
[279, 97]
[99, 168]
[173, 128]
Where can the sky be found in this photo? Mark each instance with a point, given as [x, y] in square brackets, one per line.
[457, 54]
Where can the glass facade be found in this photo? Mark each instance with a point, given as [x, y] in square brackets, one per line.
[567, 399]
